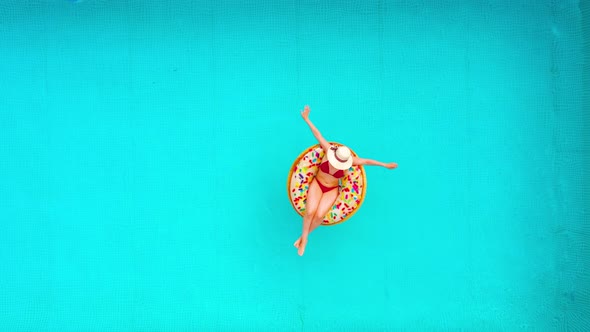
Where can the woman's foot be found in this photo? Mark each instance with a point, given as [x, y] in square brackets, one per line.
[297, 243]
[301, 247]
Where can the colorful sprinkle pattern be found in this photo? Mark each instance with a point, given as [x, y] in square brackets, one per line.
[351, 191]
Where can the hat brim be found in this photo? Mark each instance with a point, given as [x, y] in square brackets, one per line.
[336, 163]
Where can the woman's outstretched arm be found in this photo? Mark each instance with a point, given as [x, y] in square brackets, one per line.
[371, 162]
[324, 144]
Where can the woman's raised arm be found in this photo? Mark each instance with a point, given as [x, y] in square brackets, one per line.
[371, 162]
[305, 115]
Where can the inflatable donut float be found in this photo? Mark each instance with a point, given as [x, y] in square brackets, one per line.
[351, 189]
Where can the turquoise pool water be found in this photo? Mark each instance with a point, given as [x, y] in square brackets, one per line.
[145, 148]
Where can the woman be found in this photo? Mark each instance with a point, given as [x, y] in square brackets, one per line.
[323, 189]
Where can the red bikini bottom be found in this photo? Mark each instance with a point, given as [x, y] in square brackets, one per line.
[324, 188]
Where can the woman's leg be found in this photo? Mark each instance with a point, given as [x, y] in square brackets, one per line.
[314, 195]
[326, 202]
[323, 208]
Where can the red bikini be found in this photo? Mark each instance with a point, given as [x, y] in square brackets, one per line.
[325, 167]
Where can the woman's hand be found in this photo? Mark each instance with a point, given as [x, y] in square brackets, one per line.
[305, 113]
[391, 165]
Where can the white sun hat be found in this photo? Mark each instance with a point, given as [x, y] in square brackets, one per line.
[340, 157]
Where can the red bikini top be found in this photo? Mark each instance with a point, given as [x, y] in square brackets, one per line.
[325, 167]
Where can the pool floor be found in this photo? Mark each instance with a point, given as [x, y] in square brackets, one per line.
[145, 148]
